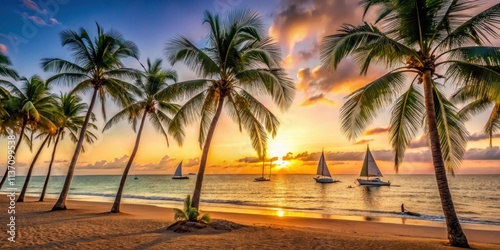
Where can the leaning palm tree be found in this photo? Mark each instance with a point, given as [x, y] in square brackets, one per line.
[97, 68]
[154, 102]
[239, 62]
[31, 106]
[477, 104]
[418, 37]
[71, 110]
[48, 133]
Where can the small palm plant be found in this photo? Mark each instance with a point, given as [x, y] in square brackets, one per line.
[190, 213]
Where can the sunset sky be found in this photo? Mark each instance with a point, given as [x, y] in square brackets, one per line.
[30, 30]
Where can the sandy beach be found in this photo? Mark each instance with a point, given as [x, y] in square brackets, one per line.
[88, 225]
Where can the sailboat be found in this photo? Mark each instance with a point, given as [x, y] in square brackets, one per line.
[370, 169]
[323, 173]
[262, 178]
[178, 173]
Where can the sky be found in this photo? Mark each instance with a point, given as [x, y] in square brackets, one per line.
[29, 31]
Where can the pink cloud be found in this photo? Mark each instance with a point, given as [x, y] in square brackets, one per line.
[3, 48]
[33, 6]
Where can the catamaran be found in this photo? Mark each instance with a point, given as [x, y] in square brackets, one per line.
[323, 173]
[262, 178]
[370, 169]
[178, 173]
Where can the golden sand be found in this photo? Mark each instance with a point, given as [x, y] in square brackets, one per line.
[89, 225]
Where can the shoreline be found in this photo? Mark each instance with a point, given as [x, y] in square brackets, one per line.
[434, 232]
[273, 211]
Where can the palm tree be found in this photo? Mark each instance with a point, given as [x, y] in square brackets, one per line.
[190, 213]
[419, 37]
[97, 68]
[5, 67]
[30, 106]
[49, 133]
[154, 102]
[477, 104]
[240, 61]
[70, 108]
[5, 70]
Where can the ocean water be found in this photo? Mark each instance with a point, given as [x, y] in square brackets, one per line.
[476, 197]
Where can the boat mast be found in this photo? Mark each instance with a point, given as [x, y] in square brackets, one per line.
[323, 165]
[263, 161]
[270, 167]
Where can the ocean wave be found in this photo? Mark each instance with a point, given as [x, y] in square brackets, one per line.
[211, 201]
[427, 217]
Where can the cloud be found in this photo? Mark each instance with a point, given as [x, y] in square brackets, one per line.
[300, 25]
[422, 140]
[483, 153]
[481, 136]
[191, 162]
[317, 99]
[33, 6]
[249, 159]
[57, 161]
[41, 21]
[419, 143]
[299, 19]
[362, 142]
[115, 164]
[3, 48]
[375, 131]
[319, 79]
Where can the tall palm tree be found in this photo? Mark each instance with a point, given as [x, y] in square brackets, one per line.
[31, 106]
[71, 109]
[479, 103]
[154, 102]
[240, 61]
[97, 68]
[418, 37]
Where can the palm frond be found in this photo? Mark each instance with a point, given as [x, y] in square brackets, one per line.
[365, 103]
[452, 132]
[406, 115]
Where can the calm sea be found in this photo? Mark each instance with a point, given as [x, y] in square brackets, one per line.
[476, 197]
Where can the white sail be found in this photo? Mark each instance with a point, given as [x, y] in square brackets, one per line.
[370, 168]
[322, 167]
[178, 171]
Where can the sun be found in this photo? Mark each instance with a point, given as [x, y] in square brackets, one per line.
[278, 149]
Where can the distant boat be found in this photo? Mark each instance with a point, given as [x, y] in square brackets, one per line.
[323, 173]
[370, 169]
[262, 178]
[178, 173]
[191, 173]
[136, 178]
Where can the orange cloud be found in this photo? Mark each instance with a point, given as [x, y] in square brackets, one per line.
[320, 98]
[362, 142]
[375, 131]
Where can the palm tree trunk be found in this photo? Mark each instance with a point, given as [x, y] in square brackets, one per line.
[456, 236]
[42, 196]
[15, 151]
[204, 155]
[28, 176]
[118, 198]
[61, 201]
